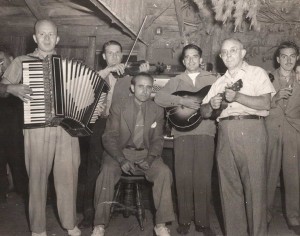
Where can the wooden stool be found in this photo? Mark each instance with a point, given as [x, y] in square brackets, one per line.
[128, 192]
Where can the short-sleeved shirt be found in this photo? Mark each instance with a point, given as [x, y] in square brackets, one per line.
[256, 82]
[13, 74]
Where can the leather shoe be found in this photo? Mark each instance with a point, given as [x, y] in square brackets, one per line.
[207, 231]
[183, 228]
[295, 228]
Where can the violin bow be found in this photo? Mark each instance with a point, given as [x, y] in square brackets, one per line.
[137, 37]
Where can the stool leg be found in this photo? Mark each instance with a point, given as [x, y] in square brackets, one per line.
[128, 199]
[115, 199]
[140, 208]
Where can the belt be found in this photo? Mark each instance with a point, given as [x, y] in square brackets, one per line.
[134, 148]
[242, 117]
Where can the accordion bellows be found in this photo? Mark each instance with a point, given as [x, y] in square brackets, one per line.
[65, 92]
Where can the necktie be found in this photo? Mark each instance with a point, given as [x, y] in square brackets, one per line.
[139, 129]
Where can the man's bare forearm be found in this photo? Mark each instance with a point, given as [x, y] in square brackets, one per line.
[262, 102]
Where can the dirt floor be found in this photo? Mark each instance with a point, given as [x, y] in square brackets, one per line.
[13, 222]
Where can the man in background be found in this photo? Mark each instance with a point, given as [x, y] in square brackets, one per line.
[283, 127]
[11, 137]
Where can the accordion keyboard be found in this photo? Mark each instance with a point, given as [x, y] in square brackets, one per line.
[34, 110]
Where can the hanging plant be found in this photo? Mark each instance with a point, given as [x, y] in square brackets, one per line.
[236, 10]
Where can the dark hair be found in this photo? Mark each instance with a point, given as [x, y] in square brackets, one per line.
[191, 46]
[144, 74]
[111, 42]
[286, 44]
[209, 66]
[7, 52]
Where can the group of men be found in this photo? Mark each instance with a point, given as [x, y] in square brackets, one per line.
[257, 134]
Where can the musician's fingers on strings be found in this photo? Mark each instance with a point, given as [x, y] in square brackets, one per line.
[144, 67]
[119, 68]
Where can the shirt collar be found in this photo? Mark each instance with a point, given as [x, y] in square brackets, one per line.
[242, 70]
[37, 53]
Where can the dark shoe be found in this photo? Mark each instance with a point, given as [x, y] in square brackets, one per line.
[85, 223]
[207, 231]
[295, 228]
[183, 228]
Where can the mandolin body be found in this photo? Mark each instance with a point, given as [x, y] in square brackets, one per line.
[183, 118]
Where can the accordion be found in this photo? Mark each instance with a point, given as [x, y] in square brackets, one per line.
[65, 92]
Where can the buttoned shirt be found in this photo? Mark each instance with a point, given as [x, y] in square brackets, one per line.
[256, 82]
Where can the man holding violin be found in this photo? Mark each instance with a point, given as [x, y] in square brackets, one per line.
[115, 74]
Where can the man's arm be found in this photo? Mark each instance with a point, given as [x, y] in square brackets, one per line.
[111, 134]
[262, 102]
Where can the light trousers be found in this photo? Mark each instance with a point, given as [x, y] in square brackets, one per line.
[47, 148]
[241, 158]
[159, 174]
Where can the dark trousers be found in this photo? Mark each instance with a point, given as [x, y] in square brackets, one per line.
[194, 156]
[93, 166]
[12, 147]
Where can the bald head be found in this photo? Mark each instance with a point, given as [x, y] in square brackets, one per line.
[41, 23]
[234, 41]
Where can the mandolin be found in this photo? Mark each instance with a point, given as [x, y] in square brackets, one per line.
[183, 118]
[235, 87]
[186, 119]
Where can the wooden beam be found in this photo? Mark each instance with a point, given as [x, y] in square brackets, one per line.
[91, 53]
[36, 9]
[116, 20]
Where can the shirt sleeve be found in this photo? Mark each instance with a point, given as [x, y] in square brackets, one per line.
[164, 96]
[263, 84]
[13, 74]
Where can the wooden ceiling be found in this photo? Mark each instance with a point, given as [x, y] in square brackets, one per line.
[76, 20]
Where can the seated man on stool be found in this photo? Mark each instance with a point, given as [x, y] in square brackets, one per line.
[133, 141]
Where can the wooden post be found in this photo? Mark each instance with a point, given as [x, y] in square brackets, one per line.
[91, 52]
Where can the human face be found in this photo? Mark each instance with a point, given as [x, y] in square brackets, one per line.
[232, 54]
[287, 58]
[4, 62]
[46, 37]
[113, 55]
[192, 60]
[142, 89]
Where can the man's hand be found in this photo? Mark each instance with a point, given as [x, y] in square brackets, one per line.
[127, 167]
[20, 91]
[283, 94]
[215, 102]
[143, 164]
[119, 68]
[190, 103]
[145, 67]
[230, 95]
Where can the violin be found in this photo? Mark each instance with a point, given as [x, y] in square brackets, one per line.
[133, 68]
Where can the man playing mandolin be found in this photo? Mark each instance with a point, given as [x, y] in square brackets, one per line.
[242, 141]
[194, 149]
